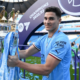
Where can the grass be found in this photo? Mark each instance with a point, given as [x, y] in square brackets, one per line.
[72, 75]
[31, 76]
[37, 60]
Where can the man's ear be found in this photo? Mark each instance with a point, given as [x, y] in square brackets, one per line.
[59, 20]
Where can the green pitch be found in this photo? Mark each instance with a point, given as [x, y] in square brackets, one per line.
[37, 60]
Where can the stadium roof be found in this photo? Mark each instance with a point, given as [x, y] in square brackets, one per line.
[14, 0]
[21, 5]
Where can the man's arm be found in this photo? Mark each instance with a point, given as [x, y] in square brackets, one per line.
[28, 52]
[42, 69]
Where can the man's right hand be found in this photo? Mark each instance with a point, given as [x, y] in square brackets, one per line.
[13, 60]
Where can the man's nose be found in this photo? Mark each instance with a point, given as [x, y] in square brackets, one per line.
[47, 21]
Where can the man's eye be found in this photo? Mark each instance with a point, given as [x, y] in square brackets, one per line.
[45, 18]
[51, 18]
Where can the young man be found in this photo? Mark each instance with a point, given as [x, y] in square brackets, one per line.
[55, 50]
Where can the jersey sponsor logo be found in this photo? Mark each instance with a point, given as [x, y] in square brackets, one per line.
[60, 44]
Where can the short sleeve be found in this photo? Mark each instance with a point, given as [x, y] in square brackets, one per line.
[37, 44]
[59, 48]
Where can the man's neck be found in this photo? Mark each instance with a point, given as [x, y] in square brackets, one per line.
[51, 33]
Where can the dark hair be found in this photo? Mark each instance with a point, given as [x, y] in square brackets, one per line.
[73, 43]
[56, 10]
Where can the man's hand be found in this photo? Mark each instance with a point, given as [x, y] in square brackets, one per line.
[12, 60]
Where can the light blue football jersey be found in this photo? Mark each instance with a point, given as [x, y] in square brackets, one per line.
[59, 47]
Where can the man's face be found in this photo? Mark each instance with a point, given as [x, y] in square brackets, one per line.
[51, 21]
[74, 43]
